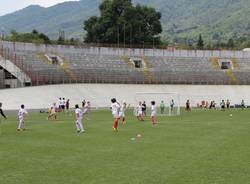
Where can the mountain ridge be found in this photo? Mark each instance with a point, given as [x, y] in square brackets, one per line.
[181, 19]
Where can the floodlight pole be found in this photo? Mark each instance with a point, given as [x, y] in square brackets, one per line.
[118, 37]
[124, 35]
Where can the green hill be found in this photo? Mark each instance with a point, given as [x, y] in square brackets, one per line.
[213, 18]
[68, 16]
[181, 19]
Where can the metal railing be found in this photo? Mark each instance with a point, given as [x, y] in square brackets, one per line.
[104, 50]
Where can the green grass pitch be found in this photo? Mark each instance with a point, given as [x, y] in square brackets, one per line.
[201, 147]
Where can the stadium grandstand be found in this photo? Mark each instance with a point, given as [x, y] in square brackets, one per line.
[26, 64]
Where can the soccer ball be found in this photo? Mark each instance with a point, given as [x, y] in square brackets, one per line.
[230, 115]
[138, 136]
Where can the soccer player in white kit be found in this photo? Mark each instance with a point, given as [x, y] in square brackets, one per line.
[172, 106]
[21, 116]
[139, 112]
[79, 114]
[60, 102]
[115, 108]
[87, 110]
[153, 113]
[122, 112]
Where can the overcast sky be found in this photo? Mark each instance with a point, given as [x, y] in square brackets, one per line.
[9, 6]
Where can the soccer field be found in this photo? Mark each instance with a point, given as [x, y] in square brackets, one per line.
[201, 147]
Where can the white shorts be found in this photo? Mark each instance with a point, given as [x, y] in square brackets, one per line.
[116, 115]
[139, 113]
[153, 114]
[79, 121]
[121, 114]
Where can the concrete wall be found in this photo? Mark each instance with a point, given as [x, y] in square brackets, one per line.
[100, 94]
[14, 70]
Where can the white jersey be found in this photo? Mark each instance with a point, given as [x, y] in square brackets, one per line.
[78, 112]
[87, 108]
[115, 107]
[153, 110]
[22, 113]
[60, 103]
[172, 104]
[122, 110]
[139, 109]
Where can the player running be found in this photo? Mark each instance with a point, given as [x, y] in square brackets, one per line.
[21, 116]
[78, 113]
[115, 108]
[153, 113]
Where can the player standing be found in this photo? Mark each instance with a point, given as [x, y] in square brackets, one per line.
[242, 104]
[122, 112]
[153, 113]
[87, 110]
[63, 104]
[83, 104]
[52, 112]
[21, 116]
[144, 108]
[222, 105]
[172, 105]
[78, 113]
[60, 104]
[228, 104]
[162, 107]
[115, 107]
[188, 106]
[67, 105]
[1, 111]
[140, 112]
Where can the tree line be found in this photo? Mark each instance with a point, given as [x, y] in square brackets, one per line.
[38, 38]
